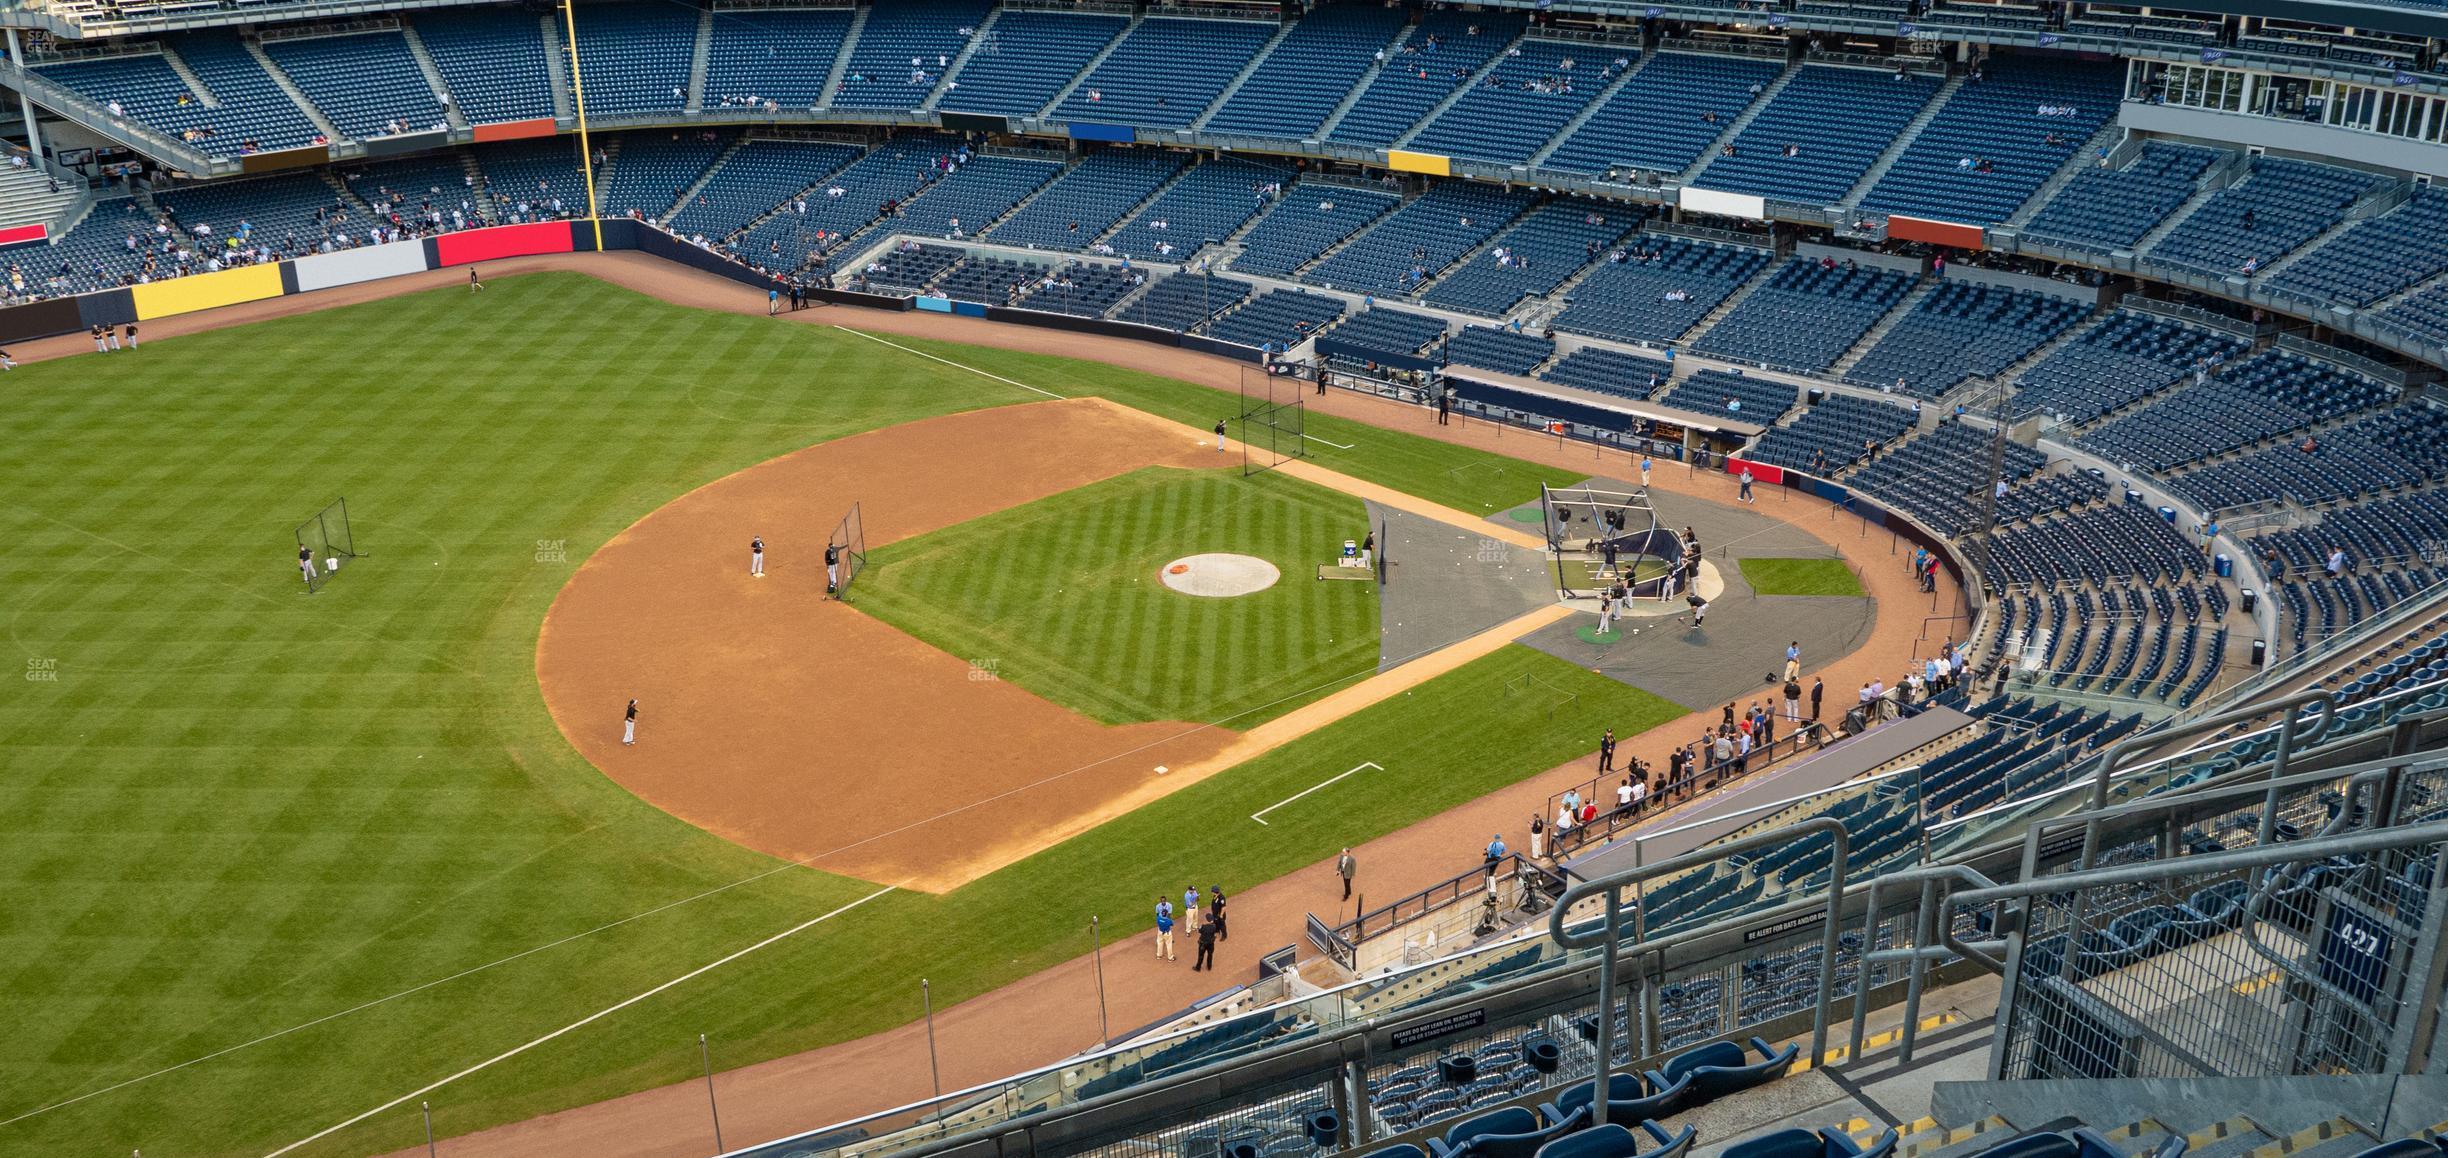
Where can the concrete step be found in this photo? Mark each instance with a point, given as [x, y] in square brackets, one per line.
[433, 76]
[700, 52]
[841, 60]
[977, 36]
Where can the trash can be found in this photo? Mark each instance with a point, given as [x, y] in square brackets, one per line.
[2132, 497]
[2222, 565]
[2096, 473]
[2168, 514]
[1326, 1128]
[2249, 600]
[1817, 395]
[2260, 652]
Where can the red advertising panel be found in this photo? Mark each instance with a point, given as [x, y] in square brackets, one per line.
[503, 241]
[515, 130]
[1902, 228]
[20, 234]
[1772, 475]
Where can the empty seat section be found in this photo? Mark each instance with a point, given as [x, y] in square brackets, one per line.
[1439, 56]
[756, 178]
[1834, 434]
[1540, 252]
[2024, 118]
[2377, 258]
[2268, 394]
[2109, 209]
[1838, 121]
[1282, 319]
[903, 50]
[1291, 92]
[2284, 204]
[1500, 349]
[1383, 331]
[1210, 202]
[1078, 208]
[1510, 114]
[1807, 315]
[2399, 447]
[493, 59]
[366, 84]
[653, 170]
[1419, 240]
[1183, 300]
[634, 58]
[778, 56]
[1962, 330]
[1661, 289]
[1025, 60]
[1082, 289]
[962, 203]
[1607, 371]
[1732, 394]
[2124, 357]
[1934, 476]
[1667, 115]
[1165, 72]
[1309, 219]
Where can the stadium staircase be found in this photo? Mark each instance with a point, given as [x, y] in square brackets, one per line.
[1708, 321]
[700, 52]
[2215, 180]
[2356, 214]
[960, 61]
[1740, 121]
[1912, 300]
[1478, 77]
[288, 87]
[433, 75]
[1247, 71]
[1094, 63]
[26, 196]
[195, 84]
[556, 64]
[1639, 62]
[1977, 387]
[2084, 158]
[849, 48]
[703, 179]
[1326, 128]
[1912, 129]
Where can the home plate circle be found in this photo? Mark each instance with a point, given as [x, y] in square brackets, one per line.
[1219, 575]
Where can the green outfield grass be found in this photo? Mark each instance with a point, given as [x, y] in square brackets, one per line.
[339, 836]
[1124, 648]
[1800, 577]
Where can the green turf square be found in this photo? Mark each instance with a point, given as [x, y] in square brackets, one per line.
[1064, 596]
[1800, 577]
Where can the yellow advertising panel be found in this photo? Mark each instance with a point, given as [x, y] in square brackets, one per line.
[203, 291]
[1429, 163]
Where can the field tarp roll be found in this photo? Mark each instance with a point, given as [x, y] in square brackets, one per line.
[42, 319]
[503, 241]
[350, 266]
[204, 291]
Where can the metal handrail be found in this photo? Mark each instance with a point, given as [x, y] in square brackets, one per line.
[1609, 933]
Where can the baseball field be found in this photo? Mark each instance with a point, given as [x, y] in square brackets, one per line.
[277, 862]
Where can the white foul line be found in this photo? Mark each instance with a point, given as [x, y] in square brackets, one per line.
[598, 1015]
[1336, 445]
[946, 361]
[1261, 813]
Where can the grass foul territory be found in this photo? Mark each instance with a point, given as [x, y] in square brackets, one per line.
[1801, 577]
[1064, 597]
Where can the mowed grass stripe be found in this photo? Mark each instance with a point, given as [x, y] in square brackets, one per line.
[1090, 624]
[239, 808]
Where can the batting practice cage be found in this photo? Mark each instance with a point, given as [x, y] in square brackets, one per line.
[848, 546]
[1274, 419]
[1582, 523]
[325, 541]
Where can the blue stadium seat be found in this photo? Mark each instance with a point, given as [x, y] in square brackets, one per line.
[1026, 57]
[2104, 209]
[1086, 201]
[1542, 250]
[2284, 204]
[634, 58]
[1165, 72]
[1419, 240]
[365, 83]
[1442, 52]
[903, 50]
[777, 56]
[1293, 90]
[1962, 330]
[2025, 117]
[1509, 115]
[1839, 120]
[493, 59]
[1666, 115]
[1309, 219]
[1806, 315]
[1210, 202]
[1661, 289]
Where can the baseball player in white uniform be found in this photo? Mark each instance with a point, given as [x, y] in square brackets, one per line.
[756, 557]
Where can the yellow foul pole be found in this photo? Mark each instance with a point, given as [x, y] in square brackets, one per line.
[586, 147]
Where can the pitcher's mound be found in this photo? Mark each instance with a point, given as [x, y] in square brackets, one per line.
[1219, 575]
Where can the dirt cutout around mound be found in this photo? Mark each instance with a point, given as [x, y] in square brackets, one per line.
[801, 727]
